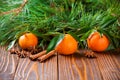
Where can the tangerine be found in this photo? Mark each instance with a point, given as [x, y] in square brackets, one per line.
[28, 41]
[67, 46]
[97, 42]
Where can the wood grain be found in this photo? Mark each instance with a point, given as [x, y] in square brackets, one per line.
[73, 67]
[77, 67]
[109, 66]
[8, 64]
[34, 70]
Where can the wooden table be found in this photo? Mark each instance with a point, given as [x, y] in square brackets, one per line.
[74, 67]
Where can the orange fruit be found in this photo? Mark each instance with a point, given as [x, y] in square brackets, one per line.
[28, 41]
[97, 42]
[67, 46]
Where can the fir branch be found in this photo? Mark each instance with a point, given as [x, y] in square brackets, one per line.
[51, 17]
[17, 10]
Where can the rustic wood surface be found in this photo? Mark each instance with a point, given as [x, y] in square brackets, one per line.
[74, 67]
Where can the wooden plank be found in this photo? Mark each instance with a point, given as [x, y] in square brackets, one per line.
[34, 70]
[78, 67]
[109, 66]
[8, 64]
[74, 67]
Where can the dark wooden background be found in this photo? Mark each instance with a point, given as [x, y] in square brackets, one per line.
[74, 67]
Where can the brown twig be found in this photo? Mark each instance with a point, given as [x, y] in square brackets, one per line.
[37, 55]
[16, 10]
[44, 57]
